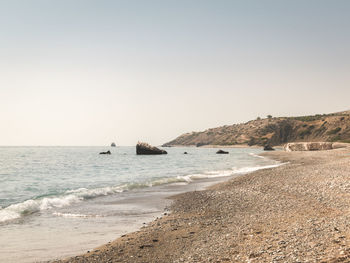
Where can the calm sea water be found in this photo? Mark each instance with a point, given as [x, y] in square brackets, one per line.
[80, 196]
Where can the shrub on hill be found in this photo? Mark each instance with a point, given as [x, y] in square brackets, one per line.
[334, 131]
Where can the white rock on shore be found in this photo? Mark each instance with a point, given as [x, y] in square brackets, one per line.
[308, 146]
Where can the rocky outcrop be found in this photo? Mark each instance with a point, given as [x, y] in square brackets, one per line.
[221, 152]
[113, 144]
[146, 149]
[308, 146]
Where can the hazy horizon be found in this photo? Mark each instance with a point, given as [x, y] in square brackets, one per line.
[107, 144]
[88, 73]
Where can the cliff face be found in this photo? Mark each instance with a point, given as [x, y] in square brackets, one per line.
[274, 131]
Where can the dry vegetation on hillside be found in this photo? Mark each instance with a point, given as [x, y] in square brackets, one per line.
[274, 131]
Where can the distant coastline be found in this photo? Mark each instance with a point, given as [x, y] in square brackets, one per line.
[334, 127]
[217, 146]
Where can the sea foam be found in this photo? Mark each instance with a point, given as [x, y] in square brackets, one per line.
[257, 156]
[70, 215]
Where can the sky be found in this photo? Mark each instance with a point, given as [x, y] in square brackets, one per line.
[83, 72]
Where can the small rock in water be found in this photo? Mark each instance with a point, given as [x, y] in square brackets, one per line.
[221, 152]
[268, 147]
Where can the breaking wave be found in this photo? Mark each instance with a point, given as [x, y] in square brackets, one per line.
[70, 197]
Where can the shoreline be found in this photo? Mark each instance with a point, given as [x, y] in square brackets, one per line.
[295, 212]
[216, 146]
[90, 222]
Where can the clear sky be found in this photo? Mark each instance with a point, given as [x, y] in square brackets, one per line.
[82, 72]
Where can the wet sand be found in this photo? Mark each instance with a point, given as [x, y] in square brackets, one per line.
[298, 212]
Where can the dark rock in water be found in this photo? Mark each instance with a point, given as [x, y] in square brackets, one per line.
[185, 152]
[268, 148]
[221, 152]
[146, 149]
[108, 152]
[113, 144]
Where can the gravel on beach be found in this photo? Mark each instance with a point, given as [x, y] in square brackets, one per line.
[298, 212]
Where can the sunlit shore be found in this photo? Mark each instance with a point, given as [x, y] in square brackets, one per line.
[295, 212]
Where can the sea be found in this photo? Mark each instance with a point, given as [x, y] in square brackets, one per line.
[57, 202]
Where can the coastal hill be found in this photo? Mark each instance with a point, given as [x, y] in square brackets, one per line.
[334, 127]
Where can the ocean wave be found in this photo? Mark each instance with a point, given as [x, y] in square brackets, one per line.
[70, 197]
[170, 180]
[28, 207]
[96, 192]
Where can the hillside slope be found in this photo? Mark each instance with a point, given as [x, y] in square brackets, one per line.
[273, 131]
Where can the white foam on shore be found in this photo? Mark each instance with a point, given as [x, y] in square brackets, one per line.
[246, 170]
[70, 197]
[69, 215]
[257, 156]
[234, 171]
[170, 180]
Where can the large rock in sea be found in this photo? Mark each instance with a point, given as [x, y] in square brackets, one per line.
[308, 146]
[146, 149]
[113, 144]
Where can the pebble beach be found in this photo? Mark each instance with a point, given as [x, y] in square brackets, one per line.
[297, 212]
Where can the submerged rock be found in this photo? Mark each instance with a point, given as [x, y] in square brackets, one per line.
[221, 152]
[146, 149]
[268, 148]
[108, 152]
[185, 152]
